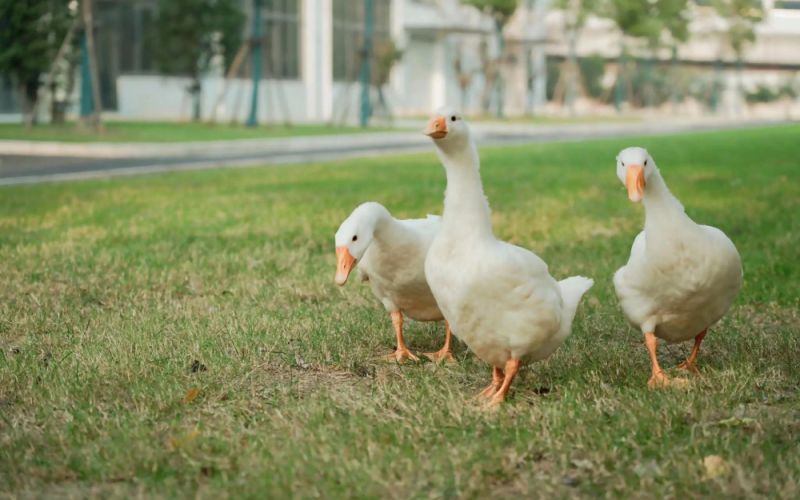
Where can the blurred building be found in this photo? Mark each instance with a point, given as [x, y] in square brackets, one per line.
[450, 56]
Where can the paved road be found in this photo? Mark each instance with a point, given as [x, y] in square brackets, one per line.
[54, 162]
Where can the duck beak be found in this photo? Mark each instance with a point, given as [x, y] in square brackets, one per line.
[344, 264]
[437, 127]
[635, 183]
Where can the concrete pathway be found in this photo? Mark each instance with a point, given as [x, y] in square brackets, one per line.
[26, 162]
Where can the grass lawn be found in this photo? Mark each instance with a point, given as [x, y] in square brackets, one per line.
[166, 132]
[181, 335]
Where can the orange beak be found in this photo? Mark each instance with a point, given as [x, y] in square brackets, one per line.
[344, 264]
[437, 127]
[635, 183]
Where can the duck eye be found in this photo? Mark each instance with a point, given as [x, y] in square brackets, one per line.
[453, 118]
[645, 163]
[355, 237]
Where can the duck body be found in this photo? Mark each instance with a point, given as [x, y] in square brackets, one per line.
[680, 284]
[390, 255]
[681, 277]
[394, 267]
[498, 298]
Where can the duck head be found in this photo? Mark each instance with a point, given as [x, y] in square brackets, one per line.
[353, 238]
[448, 130]
[634, 168]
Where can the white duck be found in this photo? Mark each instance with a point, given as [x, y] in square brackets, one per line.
[681, 277]
[391, 255]
[498, 298]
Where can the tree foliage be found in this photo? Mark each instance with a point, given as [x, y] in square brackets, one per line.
[650, 20]
[741, 16]
[386, 55]
[30, 34]
[500, 10]
[576, 12]
[190, 33]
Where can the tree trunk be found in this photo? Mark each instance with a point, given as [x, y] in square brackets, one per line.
[619, 92]
[196, 91]
[739, 86]
[674, 91]
[88, 25]
[488, 77]
[28, 105]
[499, 84]
[56, 107]
[572, 77]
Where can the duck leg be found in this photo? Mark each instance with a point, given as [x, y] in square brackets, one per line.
[497, 381]
[689, 364]
[401, 353]
[445, 353]
[658, 378]
[512, 367]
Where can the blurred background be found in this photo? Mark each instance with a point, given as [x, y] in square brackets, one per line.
[378, 62]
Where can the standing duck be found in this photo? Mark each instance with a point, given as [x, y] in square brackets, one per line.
[390, 254]
[681, 277]
[498, 298]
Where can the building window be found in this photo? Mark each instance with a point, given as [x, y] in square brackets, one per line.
[348, 34]
[281, 49]
[124, 38]
[127, 29]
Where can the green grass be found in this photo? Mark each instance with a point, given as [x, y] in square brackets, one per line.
[165, 132]
[112, 290]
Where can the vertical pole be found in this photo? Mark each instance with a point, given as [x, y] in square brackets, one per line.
[572, 76]
[91, 63]
[87, 107]
[739, 85]
[619, 91]
[674, 76]
[366, 52]
[499, 84]
[89, 67]
[649, 62]
[714, 104]
[257, 42]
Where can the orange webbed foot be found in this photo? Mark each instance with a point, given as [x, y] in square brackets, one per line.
[400, 356]
[488, 392]
[689, 367]
[660, 381]
[445, 355]
[497, 382]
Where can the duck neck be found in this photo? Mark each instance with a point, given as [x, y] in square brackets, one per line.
[465, 205]
[663, 212]
[388, 232]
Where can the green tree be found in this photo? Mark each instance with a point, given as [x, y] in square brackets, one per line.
[653, 21]
[31, 32]
[500, 12]
[741, 17]
[575, 14]
[385, 56]
[190, 33]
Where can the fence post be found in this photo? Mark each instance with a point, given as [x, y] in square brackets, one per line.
[366, 51]
[252, 119]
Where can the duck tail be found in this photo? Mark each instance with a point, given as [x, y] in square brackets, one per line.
[572, 289]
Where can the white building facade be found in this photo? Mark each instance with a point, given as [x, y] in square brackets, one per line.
[312, 57]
